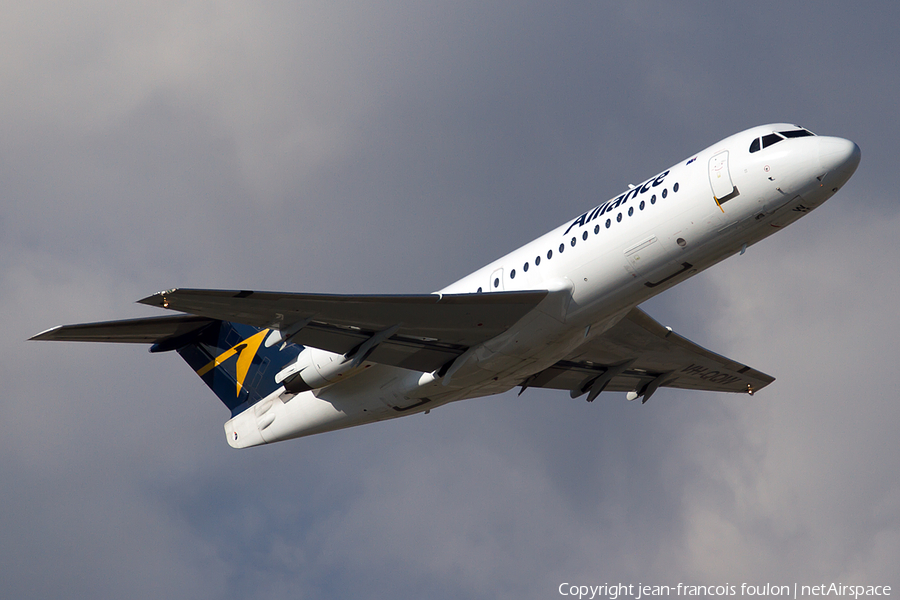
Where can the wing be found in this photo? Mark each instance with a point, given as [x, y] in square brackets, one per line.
[419, 332]
[641, 355]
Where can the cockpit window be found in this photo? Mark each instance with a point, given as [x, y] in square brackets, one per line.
[796, 133]
[772, 138]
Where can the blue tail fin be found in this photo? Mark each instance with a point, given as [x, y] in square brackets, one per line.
[234, 362]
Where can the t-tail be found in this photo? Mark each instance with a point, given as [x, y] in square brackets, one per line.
[231, 358]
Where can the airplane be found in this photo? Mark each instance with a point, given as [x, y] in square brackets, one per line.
[561, 312]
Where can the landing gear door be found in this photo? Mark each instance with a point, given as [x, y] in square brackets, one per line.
[723, 188]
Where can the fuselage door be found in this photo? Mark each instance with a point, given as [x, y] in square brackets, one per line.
[720, 179]
[496, 283]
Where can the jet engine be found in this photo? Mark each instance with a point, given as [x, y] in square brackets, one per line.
[313, 369]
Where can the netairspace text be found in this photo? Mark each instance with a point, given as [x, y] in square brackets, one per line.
[613, 591]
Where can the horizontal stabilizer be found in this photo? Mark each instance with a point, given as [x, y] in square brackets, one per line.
[152, 330]
[229, 357]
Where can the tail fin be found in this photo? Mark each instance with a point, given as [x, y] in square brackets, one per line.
[234, 363]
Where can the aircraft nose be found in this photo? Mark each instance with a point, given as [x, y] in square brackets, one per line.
[838, 155]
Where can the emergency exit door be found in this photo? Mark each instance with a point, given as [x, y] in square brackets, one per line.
[720, 179]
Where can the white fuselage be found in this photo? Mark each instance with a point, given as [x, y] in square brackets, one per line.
[598, 266]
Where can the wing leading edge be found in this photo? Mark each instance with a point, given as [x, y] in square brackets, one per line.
[459, 319]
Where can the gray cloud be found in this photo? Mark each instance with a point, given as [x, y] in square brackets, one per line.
[349, 148]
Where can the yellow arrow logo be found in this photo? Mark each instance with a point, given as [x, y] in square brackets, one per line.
[246, 351]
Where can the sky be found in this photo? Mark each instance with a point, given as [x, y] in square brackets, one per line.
[353, 147]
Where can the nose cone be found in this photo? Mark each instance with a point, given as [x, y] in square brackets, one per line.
[838, 156]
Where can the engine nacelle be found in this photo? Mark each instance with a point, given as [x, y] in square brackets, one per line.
[313, 369]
